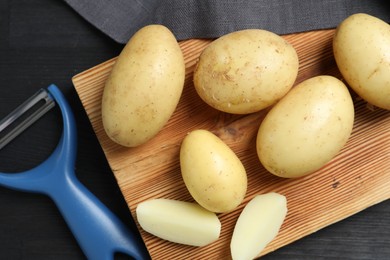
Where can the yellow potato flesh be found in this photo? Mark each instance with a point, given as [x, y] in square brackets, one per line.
[257, 225]
[212, 173]
[144, 86]
[246, 71]
[178, 221]
[307, 128]
[361, 48]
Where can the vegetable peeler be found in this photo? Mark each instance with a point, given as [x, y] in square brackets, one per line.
[98, 231]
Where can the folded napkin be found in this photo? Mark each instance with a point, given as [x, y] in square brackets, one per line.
[120, 19]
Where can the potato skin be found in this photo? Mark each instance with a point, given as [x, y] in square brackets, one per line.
[361, 47]
[212, 173]
[245, 71]
[144, 86]
[306, 128]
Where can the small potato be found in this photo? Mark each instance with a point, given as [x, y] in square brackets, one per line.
[178, 221]
[245, 71]
[212, 173]
[144, 86]
[361, 48]
[307, 128]
[257, 225]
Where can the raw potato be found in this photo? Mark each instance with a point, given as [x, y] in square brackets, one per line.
[361, 48]
[178, 221]
[257, 225]
[212, 173]
[245, 71]
[307, 128]
[144, 86]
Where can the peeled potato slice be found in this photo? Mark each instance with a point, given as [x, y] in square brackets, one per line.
[178, 221]
[257, 225]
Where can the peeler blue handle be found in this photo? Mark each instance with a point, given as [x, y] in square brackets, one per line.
[98, 231]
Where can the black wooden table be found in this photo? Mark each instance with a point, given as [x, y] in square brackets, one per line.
[44, 42]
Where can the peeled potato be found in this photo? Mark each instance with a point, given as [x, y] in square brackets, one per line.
[257, 225]
[178, 221]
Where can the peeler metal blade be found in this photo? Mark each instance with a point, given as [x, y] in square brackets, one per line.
[32, 106]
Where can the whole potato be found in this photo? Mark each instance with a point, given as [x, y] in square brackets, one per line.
[245, 71]
[212, 173]
[144, 86]
[361, 48]
[306, 128]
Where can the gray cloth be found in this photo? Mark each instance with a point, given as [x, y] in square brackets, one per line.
[120, 19]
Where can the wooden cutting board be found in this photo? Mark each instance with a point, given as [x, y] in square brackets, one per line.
[358, 177]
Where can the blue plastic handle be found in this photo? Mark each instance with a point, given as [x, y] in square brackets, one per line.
[98, 231]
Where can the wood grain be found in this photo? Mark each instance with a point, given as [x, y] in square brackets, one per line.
[358, 177]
